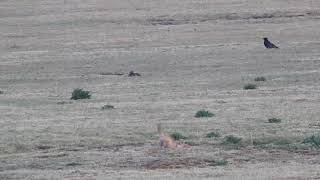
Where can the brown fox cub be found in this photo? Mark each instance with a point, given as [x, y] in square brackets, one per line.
[165, 140]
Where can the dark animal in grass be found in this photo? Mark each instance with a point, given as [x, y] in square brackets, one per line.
[268, 44]
[131, 73]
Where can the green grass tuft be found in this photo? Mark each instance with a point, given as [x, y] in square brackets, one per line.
[280, 141]
[261, 78]
[314, 140]
[80, 94]
[218, 162]
[213, 135]
[177, 136]
[274, 120]
[232, 140]
[249, 86]
[107, 106]
[203, 113]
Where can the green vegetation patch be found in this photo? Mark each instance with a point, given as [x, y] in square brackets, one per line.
[261, 78]
[80, 94]
[107, 106]
[274, 120]
[213, 135]
[314, 140]
[203, 113]
[249, 86]
[177, 136]
[232, 140]
[218, 163]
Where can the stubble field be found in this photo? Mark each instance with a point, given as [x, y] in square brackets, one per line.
[191, 55]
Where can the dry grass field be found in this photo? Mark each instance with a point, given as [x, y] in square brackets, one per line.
[191, 55]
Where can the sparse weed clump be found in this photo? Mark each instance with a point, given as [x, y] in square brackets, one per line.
[177, 136]
[274, 120]
[232, 140]
[261, 78]
[282, 142]
[64, 102]
[107, 106]
[217, 162]
[314, 140]
[249, 86]
[1, 92]
[80, 94]
[73, 164]
[14, 46]
[276, 141]
[213, 135]
[287, 143]
[203, 113]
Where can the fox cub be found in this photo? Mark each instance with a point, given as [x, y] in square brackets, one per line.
[165, 140]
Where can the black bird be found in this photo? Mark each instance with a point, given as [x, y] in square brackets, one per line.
[269, 44]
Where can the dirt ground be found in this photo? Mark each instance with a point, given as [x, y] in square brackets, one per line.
[191, 55]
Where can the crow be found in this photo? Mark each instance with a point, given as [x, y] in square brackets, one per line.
[268, 44]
